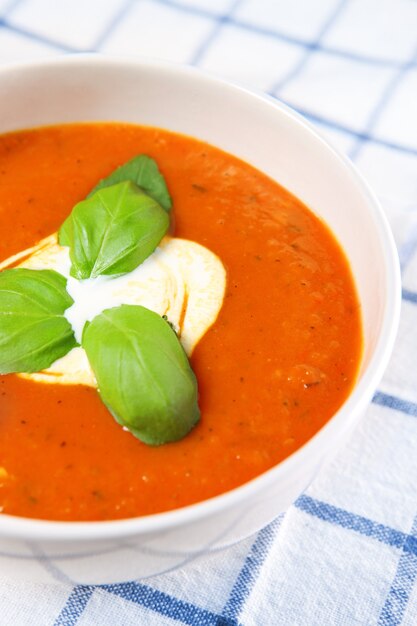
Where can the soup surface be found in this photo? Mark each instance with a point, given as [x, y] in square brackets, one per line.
[278, 362]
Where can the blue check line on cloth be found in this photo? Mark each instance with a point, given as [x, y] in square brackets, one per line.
[38, 38]
[357, 523]
[395, 604]
[166, 605]
[251, 569]
[410, 296]
[408, 248]
[393, 402]
[75, 605]
[295, 71]
[198, 55]
[316, 117]
[4, 23]
[406, 574]
[157, 601]
[386, 96]
[13, 4]
[277, 34]
[311, 115]
[187, 613]
[169, 606]
[117, 19]
[198, 11]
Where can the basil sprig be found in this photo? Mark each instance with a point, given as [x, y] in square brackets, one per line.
[33, 331]
[113, 231]
[144, 172]
[142, 372]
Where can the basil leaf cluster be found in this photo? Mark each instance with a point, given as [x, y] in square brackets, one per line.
[143, 374]
[33, 330]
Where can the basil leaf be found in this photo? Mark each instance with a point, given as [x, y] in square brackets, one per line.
[143, 374]
[113, 232]
[33, 331]
[144, 172]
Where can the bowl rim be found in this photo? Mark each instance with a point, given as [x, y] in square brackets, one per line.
[361, 394]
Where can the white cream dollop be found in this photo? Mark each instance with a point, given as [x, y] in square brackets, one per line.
[181, 279]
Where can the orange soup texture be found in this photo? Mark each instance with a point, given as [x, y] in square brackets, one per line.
[278, 362]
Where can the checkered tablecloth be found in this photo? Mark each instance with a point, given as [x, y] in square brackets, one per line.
[346, 551]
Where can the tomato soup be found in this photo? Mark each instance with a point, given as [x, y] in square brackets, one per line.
[278, 362]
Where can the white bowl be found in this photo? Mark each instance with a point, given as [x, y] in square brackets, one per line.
[282, 144]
